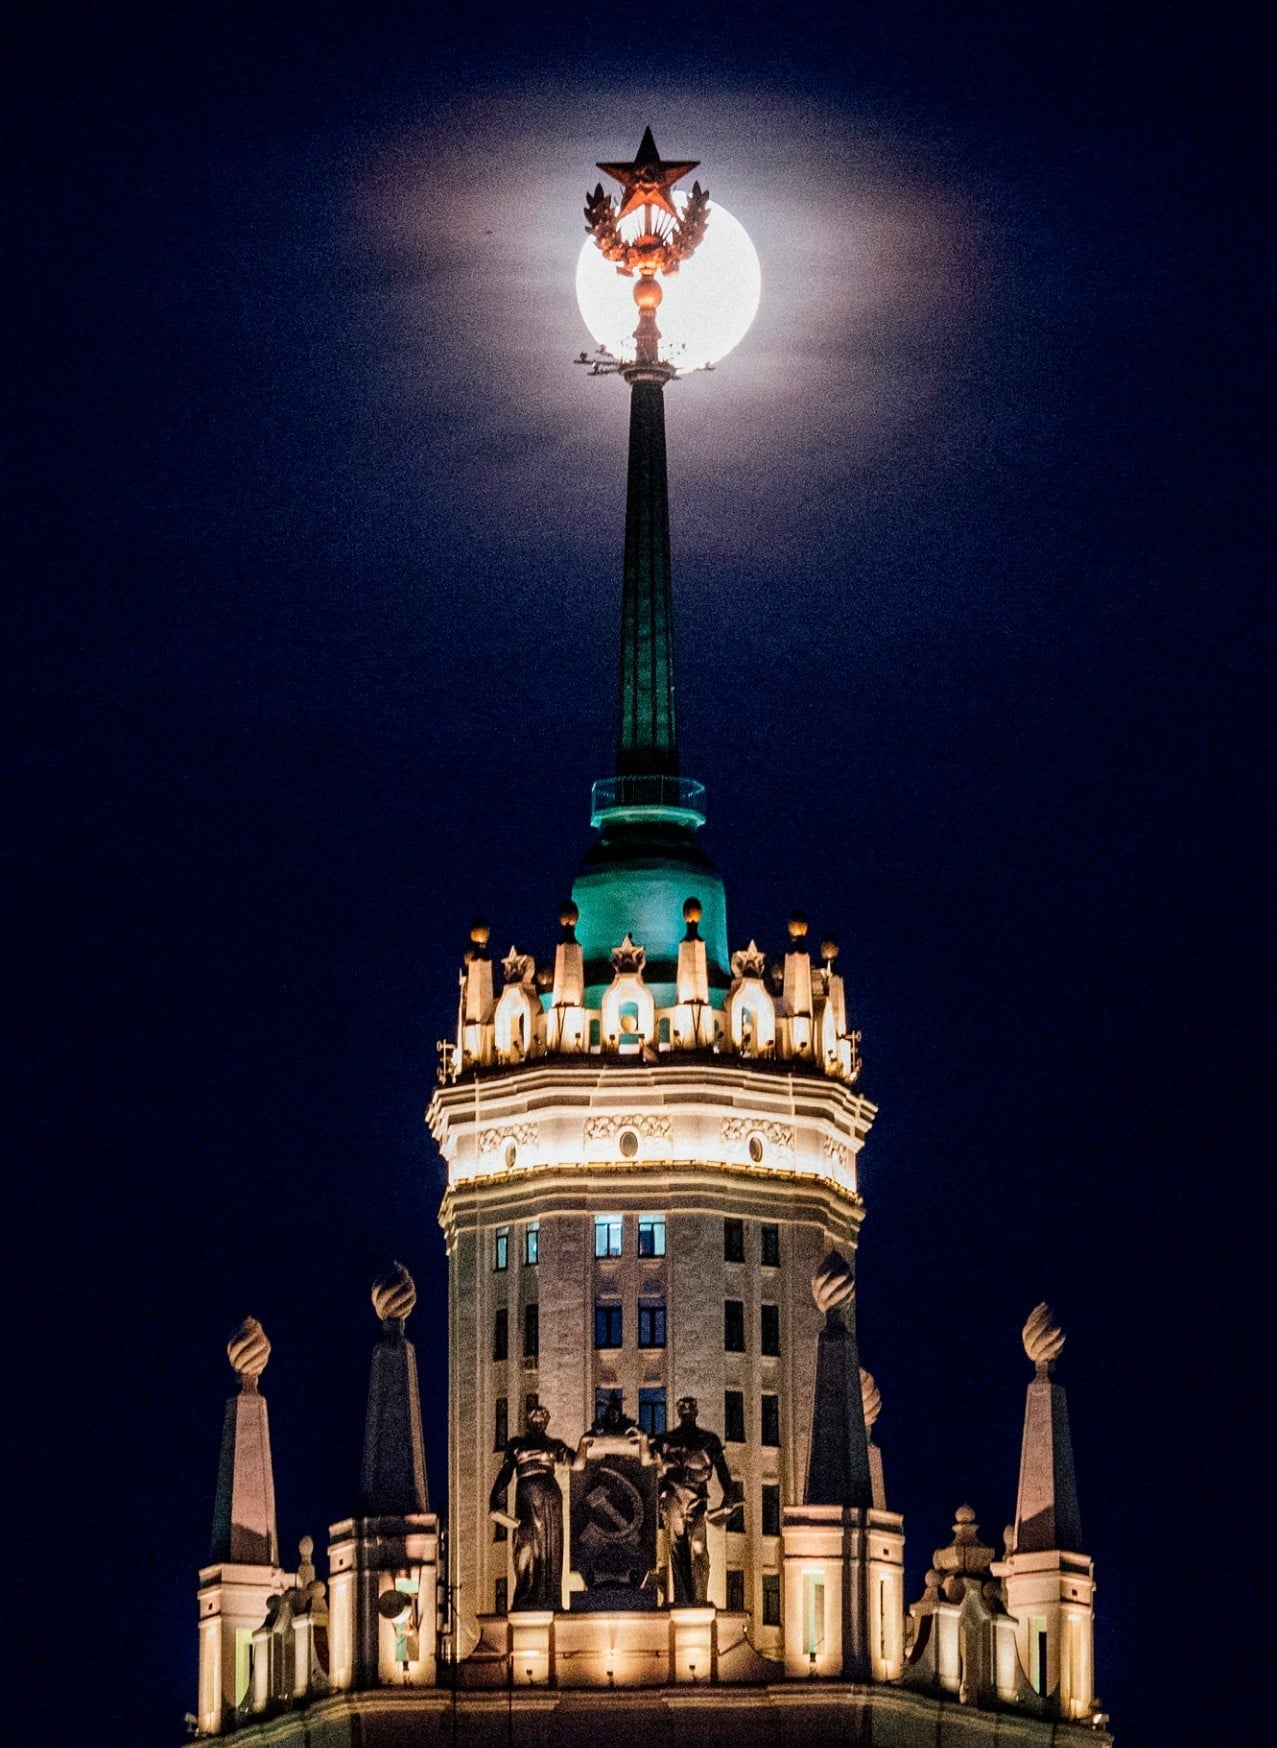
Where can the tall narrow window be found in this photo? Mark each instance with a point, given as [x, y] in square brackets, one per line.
[532, 1243]
[733, 1240]
[651, 1330]
[607, 1323]
[734, 1417]
[734, 1325]
[501, 1334]
[736, 1522]
[1037, 1653]
[770, 1329]
[735, 1590]
[769, 1247]
[771, 1509]
[501, 1248]
[652, 1410]
[607, 1235]
[530, 1401]
[651, 1235]
[501, 1425]
[813, 1613]
[500, 1596]
[531, 1330]
[884, 1596]
[771, 1420]
[771, 1599]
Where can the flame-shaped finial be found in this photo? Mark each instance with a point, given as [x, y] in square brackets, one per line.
[394, 1294]
[834, 1283]
[1042, 1337]
[870, 1399]
[248, 1351]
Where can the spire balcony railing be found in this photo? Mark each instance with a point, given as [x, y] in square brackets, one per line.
[645, 796]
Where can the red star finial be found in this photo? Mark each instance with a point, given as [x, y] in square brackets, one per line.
[648, 179]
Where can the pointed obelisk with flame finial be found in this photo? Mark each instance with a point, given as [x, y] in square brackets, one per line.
[244, 1571]
[384, 1564]
[1049, 1581]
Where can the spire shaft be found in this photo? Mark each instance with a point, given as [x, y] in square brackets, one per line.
[647, 741]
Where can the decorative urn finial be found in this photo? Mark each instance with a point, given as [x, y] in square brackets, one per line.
[394, 1294]
[834, 1283]
[1043, 1339]
[797, 927]
[870, 1399]
[248, 1351]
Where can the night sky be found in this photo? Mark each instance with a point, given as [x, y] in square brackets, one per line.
[317, 538]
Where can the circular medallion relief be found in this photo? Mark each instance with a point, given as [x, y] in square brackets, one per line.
[628, 1143]
[756, 1149]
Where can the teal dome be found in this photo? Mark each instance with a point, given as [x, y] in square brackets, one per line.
[634, 881]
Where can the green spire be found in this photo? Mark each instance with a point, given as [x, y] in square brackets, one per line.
[647, 741]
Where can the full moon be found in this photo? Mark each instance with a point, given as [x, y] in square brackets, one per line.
[708, 304]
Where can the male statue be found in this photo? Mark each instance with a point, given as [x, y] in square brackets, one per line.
[688, 1456]
[538, 1513]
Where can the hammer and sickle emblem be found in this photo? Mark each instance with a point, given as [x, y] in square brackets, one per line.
[607, 1502]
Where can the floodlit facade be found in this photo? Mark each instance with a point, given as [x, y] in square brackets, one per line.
[665, 1503]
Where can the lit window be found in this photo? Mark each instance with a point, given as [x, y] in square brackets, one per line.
[771, 1509]
[769, 1239]
[733, 1241]
[651, 1235]
[607, 1235]
[651, 1328]
[501, 1425]
[813, 1613]
[770, 1330]
[501, 1248]
[501, 1334]
[607, 1324]
[734, 1325]
[531, 1331]
[735, 1590]
[734, 1417]
[532, 1244]
[771, 1599]
[771, 1420]
[652, 1410]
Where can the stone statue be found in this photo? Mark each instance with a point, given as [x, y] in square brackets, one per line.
[687, 1457]
[538, 1513]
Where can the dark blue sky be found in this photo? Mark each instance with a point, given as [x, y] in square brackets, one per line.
[317, 544]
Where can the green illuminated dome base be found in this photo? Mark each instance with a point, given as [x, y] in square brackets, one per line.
[636, 878]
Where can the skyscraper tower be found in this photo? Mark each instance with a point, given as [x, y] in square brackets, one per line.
[647, 1159]
[661, 1468]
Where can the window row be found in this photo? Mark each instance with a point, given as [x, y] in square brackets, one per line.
[609, 1230]
[652, 1418]
[734, 1327]
[768, 1243]
[531, 1246]
[609, 1323]
[531, 1332]
[734, 1418]
[609, 1234]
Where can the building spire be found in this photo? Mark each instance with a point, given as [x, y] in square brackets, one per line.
[647, 736]
[393, 1478]
[244, 1531]
[838, 1466]
[1046, 1511]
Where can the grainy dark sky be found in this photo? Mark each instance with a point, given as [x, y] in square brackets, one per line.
[316, 538]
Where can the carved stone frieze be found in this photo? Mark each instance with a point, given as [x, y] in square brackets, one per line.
[781, 1135]
[492, 1140]
[649, 1124]
[835, 1150]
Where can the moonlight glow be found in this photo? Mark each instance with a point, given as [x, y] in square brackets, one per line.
[708, 304]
